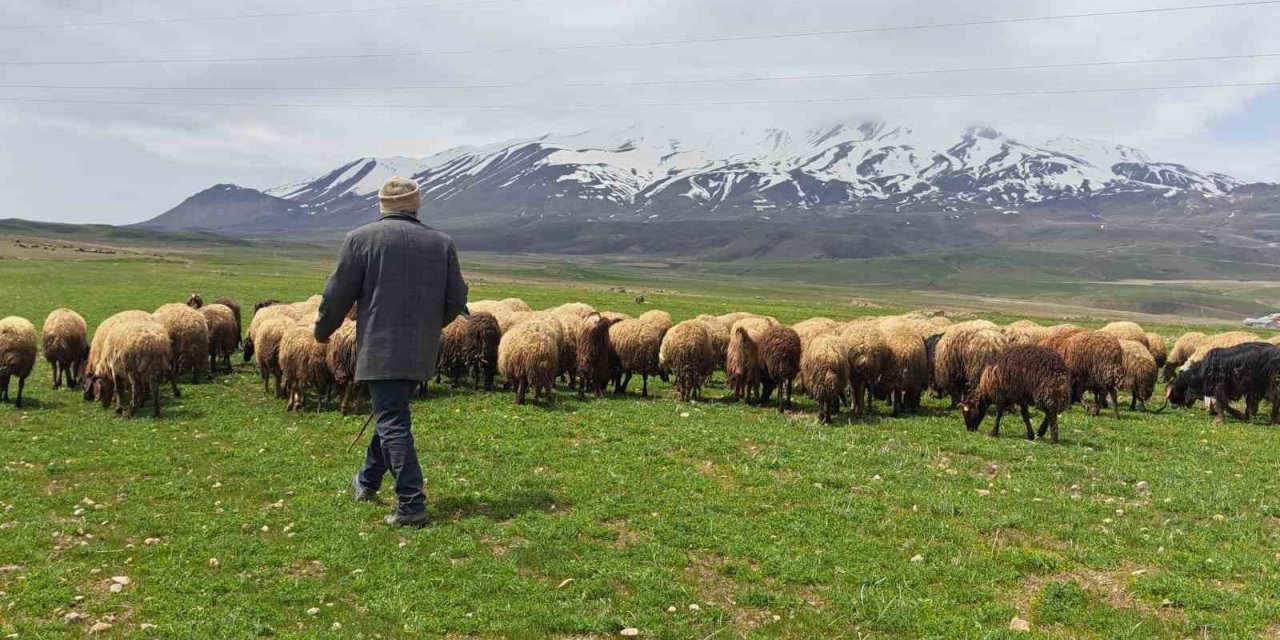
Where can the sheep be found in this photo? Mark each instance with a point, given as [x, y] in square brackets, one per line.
[962, 355]
[95, 380]
[780, 363]
[658, 318]
[568, 341]
[528, 357]
[515, 304]
[508, 320]
[742, 362]
[1158, 349]
[824, 371]
[1126, 331]
[1023, 376]
[341, 360]
[469, 346]
[1182, 349]
[1250, 370]
[593, 364]
[195, 301]
[905, 375]
[263, 304]
[731, 318]
[510, 305]
[868, 354]
[17, 354]
[814, 327]
[688, 357]
[940, 321]
[633, 348]
[138, 359]
[449, 359]
[1025, 332]
[580, 309]
[719, 337]
[224, 334]
[66, 345]
[1096, 363]
[188, 337]
[267, 335]
[615, 316]
[304, 367]
[1220, 341]
[1057, 336]
[262, 314]
[1140, 371]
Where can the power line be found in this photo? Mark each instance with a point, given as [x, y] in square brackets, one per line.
[638, 44]
[257, 16]
[605, 105]
[636, 83]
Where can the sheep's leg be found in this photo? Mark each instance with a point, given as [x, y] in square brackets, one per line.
[522, 388]
[22, 383]
[4, 388]
[1115, 400]
[788, 395]
[135, 394]
[1275, 411]
[57, 374]
[995, 430]
[119, 394]
[173, 380]
[1250, 408]
[644, 388]
[266, 379]
[626, 380]
[1026, 419]
[1051, 424]
[155, 398]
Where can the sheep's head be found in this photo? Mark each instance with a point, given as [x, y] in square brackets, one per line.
[1184, 390]
[248, 349]
[974, 411]
[87, 384]
[264, 304]
[195, 301]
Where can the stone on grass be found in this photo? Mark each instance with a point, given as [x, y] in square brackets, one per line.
[1018, 624]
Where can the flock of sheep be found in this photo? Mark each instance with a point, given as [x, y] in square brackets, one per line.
[980, 365]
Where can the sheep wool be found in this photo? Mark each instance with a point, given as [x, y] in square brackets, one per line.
[1023, 376]
[17, 354]
[267, 337]
[341, 360]
[780, 363]
[906, 372]
[688, 356]
[1220, 341]
[1139, 376]
[868, 353]
[1126, 331]
[188, 338]
[593, 365]
[824, 371]
[742, 362]
[1025, 332]
[95, 380]
[304, 366]
[634, 347]
[138, 359]
[580, 309]
[1183, 347]
[719, 337]
[224, 334]
[1095, 361]
[1158, 348]
[529, 358]
[658, 318]
[66, 345]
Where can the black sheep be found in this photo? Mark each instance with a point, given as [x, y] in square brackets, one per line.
[1250, 371]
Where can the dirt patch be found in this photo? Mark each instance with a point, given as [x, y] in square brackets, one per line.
[305, 569]
[1111, 586]
[625, 536]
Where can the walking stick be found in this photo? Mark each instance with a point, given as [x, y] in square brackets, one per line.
[361, 434]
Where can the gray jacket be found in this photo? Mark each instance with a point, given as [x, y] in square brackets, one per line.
[405, 280]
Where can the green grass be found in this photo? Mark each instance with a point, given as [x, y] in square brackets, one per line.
[579, 519]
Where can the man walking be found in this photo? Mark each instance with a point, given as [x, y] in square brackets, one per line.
[404, 280]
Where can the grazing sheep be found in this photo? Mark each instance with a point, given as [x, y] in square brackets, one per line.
[267, 335]
[1126, 331]
[17, 354]
[688, 357]
[732, 318]
[235, 311]
[1158, 349]
[224, 334]
[528, 357]
[634, 347]
[580, 309]
[304, 366]
[262, 314]
[508, 320]
[1025, 332]
[906, 373]
[780, 363]
[719, 337]
[658, 318]
[615, 316]
[1140, 372]
[469, 346]
[188, 337]
[95, 379]
[66, 346]
[1057, 336]
[814, 327]
[263, 304]
[138, 361]
[195, 301]
[742, 363]
[1182, 349]
[940, 321]
[1024, 376]
[868, 354]
[341, 360]
[962, 355]
[509, 305]
[515, 304]
[1250, 370]
[1096, 363]
[824, 371]
[593, 361]
[1220, 341]
[568, 341]
[450, 360]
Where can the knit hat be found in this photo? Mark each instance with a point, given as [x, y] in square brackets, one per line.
[399, 195]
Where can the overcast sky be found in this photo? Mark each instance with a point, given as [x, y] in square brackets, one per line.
[125, 163]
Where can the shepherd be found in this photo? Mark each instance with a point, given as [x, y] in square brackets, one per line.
[404, 280]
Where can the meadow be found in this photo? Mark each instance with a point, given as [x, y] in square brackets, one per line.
[229, 517]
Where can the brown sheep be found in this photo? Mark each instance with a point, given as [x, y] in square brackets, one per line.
[658, 318]
[780, 363]
[195, 301]
[235, 311]
[1159, 350]
[137, 359]
[719, 337]
[963, 353]
[1139, 377]
[580, 309]
[480, 348]
[341, 360]
[528, 357]
[66, 345]
[304, 367]
[267, 335]
[615, 316]
[1025, 332]
[95, 380]
[824, 370]
[17, 354]
[1057, 336]
[188, 338]
[633, 348]
[742, 363]
[868, 354]
[593, 365]
[1023, 376]
[1096, 363]
[1183, 347]
[814, 327]
[688, 357]
[224, 334]
[450, 359]
[906, 373]
[1126, 331]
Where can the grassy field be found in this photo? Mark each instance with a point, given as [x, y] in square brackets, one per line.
[231, 518]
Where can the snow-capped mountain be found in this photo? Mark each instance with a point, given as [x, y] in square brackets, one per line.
[656, 174]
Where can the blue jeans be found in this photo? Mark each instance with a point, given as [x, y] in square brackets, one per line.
[391, 448]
